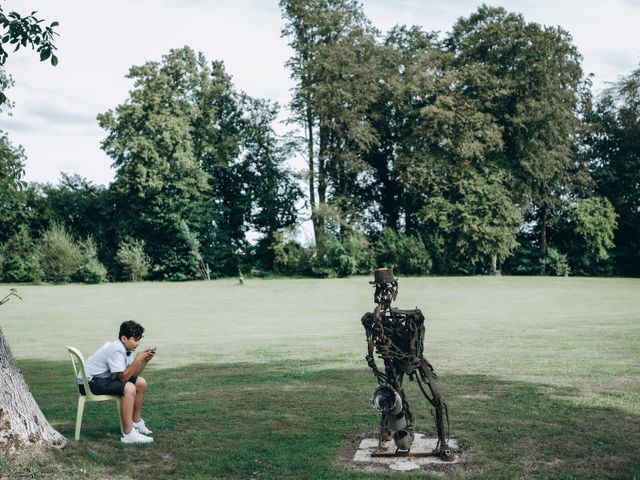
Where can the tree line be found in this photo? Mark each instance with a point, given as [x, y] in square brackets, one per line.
[477, 151]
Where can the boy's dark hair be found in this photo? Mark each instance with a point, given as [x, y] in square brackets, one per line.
[131, 329]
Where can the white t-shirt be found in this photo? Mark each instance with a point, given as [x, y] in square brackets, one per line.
[109, 360]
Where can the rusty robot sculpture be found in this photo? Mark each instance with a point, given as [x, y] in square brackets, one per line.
[397, 337]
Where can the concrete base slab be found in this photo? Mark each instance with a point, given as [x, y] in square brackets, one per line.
[402, 461]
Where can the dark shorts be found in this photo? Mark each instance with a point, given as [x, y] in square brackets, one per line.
[106, 386]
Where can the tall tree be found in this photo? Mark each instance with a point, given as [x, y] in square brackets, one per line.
[193, 158]
[333, 65]
[441, 148]
[17, 30]
[394, 116]
[274, 192]
[219, 126]
[527, 77]
[22, 421]
[159, 181]
[613, 148]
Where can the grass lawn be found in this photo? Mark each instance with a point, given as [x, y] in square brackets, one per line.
[268, 380]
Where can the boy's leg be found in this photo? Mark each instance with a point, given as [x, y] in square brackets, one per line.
[128, 402]
[105, 386]
[140, 389]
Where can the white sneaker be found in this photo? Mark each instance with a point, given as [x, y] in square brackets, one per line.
[134, 436]
[141, 427]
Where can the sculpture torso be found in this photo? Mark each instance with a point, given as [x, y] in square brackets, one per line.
[399, 334]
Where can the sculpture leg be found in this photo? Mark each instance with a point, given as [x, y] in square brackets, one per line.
[426, 371]
[403, 435]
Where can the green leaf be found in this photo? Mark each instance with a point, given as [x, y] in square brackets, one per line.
[54, 60]
[44, 54]
[3, 98]
[54, 24]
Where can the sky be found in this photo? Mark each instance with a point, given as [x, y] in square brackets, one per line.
[54, 118]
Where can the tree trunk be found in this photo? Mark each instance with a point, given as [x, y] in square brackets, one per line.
[543, 220]
[322, 190]
[316, 218]
[391, 196]
[312, 170]
[21, 421]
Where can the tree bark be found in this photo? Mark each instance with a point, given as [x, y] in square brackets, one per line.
[544, 247]
[544, 215]
[322, 189]
[318, 228]
[21, 420]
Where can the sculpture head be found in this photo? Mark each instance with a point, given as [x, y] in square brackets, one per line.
[386, 286]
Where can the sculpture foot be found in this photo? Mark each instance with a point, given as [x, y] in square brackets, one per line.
[446, 454]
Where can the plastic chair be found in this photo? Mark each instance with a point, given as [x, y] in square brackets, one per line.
[77, 360]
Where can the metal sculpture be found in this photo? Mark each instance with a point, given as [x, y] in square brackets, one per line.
[397, 337]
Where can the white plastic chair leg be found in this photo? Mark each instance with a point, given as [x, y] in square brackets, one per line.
[81, 401]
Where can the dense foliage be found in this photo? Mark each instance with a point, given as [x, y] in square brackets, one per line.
[474, 152]
[19, 30]
[613, 148]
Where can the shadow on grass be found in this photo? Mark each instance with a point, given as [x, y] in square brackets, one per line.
[292, 420]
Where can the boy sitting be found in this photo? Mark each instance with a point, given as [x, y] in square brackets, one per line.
[112, 370]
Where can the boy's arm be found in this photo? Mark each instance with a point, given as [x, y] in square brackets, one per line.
[137, 366]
